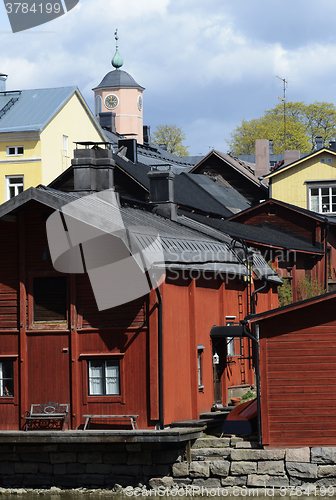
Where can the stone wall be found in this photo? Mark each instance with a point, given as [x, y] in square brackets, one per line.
[224, 462]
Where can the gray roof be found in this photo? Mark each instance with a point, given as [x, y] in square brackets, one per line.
[31, 110]
[119, 79]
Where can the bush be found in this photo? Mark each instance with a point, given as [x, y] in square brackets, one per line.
[308, 288]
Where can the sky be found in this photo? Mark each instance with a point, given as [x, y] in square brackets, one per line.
[205, 65]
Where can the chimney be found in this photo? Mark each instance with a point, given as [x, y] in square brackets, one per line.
[107, 121]
[262, 157]
[291, 155]
[146, 134]
[318, 143]
[332, 144]
[161, 193]
[3, 79]
[271, 147]
[93, 169]
[131, 145]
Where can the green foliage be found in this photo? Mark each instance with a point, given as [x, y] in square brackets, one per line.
[285, 295]
[304, 122]
[248, 395]
[171, 136]
[308, 288]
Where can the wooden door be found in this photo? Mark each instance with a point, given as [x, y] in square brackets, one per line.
[48, 368]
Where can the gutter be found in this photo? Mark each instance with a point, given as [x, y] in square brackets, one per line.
[160, 358]
[326, 258]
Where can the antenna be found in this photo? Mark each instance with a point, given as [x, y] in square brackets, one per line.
[283, 99]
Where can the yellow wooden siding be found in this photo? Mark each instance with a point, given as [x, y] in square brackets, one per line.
[290, 185]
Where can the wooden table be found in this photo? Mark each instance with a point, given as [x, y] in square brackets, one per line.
[132, 418]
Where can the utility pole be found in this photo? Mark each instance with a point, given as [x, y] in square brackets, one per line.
[283, 99]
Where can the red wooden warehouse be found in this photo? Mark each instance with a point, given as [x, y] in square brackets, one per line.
[152, 356]
[298, 373]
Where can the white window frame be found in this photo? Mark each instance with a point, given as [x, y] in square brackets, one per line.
[200, 349]
[17, 185]
[100, 380]
[320, 207]
[16, 150]
[98, 105]
[3, 385]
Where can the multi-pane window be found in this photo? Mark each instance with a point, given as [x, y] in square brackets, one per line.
[14, 185]
[322, 199]
[104, 377]
[6, 379]
[14, 150]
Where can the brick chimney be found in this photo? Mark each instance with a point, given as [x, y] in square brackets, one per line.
[93, 169]
[262, 157]
[161, 193]
[291, 155]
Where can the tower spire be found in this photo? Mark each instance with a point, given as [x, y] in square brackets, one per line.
[117, 60]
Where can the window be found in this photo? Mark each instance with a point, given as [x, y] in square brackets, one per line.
[65, 145]
[50, 299]
[14, 150]
[14, 185]
[6, 379]
[98, 105]
[322, 199]
[104, 377]
[230, 346]
[200, 349]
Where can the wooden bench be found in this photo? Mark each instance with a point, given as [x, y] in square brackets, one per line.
[132, 418]
[47, 416]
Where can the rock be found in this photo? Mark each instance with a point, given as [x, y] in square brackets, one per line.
[213, 442]
[234, 481]
[326, 471]
[277, 481]
[323, 455]
[273, 468]
[199, 469]
[298, 469]
[163, 482]
[298, 455]
[257, 480]
[202, 453]
[220, 468]
[117, 488]
[241, 468]
[180, 470]
[248, 455]
[211, 482]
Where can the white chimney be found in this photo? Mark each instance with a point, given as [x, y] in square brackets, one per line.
[3, 79]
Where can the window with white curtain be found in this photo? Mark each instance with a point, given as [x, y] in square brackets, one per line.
[6, 379]
[322, 199]
[104, 378]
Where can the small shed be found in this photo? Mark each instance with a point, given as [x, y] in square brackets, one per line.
[298, 373]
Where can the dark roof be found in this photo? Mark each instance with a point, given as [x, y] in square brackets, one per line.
[263, 234]
[119, 79]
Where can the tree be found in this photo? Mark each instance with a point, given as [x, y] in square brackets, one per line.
[171, 136]
[304, 122]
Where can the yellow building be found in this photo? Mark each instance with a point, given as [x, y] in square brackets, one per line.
[38, 129]
[307, 183]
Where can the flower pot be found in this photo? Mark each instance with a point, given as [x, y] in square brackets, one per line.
[235, 401]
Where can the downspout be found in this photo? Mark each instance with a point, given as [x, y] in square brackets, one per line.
[256, 333]
[160, 357]
[326, 259]
[254, 294]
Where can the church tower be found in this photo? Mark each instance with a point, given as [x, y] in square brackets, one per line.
[119, 101]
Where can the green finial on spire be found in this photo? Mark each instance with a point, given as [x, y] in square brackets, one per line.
[117, 60]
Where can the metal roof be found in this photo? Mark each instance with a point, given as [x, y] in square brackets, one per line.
[32, 109]
[119, 79]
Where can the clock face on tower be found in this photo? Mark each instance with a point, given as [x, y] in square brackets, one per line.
[111, 101]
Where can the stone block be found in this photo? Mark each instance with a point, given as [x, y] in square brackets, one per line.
[49, 448]
[210, 453]
[199, 469]
[181, 482]
[257, 480]
[243, 468]
[36, 481]
[167, 456]
[250, 455]
[298, 455]
[7, 448]
[35, 457]
[210, 483]
[90, 480]
[234, 440]
[62, 458]
[247, 444]
[180, 470]
[90, 458]
[60, 469]
[234, 481]
[98, 468]
[294, 481]
[323, 455]
[161, 482]
[220, 468]
[212, 442]
[151, 446]
[45, 468]
[132, 447]
[277, 481]
[74, 468]
[12, 481]
[325, 482]
[326, 471]
[155, 470]
[66, 481]
[7, 468]
[25, 468]
[301, 470]
[115, 458]
[272, 468]
[115, 447]
[140, 458]
[9, 457]
[129, 470]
